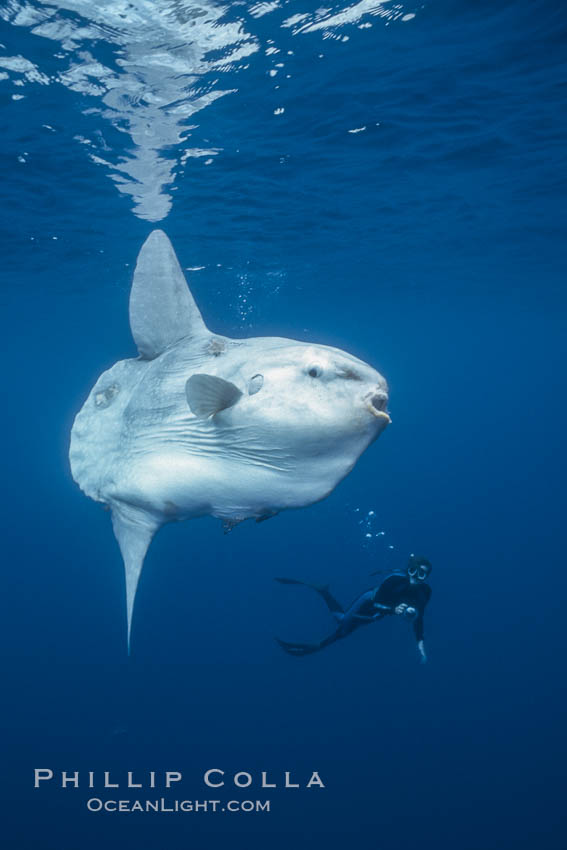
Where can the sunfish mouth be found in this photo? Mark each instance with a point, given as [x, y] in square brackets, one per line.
[376, 404]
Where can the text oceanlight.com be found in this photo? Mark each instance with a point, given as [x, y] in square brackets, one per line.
[162, 805]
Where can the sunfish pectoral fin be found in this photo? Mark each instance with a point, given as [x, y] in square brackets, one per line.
[134, 530]
[162, 309]
[207, 394]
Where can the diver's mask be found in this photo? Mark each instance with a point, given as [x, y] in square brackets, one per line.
[418, 569]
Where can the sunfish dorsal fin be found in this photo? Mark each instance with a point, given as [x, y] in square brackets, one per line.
[162, 309]
[134, 530]
[207, 394]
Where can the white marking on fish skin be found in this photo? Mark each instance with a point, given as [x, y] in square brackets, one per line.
[291, 421]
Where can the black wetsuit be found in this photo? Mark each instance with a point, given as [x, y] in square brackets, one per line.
[396, 590]
[367, 608]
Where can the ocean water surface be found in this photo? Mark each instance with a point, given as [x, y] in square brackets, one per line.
[387, 178]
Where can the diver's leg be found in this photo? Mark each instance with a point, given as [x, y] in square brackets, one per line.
[333, 605]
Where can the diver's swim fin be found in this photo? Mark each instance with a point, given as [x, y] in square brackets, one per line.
[333, 605]
[320, 588]
[298, 649]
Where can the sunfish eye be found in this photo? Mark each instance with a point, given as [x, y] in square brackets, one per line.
[255, 383]
[314, 371]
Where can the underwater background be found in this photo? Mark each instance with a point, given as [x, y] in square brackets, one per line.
[386, 178]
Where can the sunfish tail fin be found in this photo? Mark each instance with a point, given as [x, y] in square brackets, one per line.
[134, 530]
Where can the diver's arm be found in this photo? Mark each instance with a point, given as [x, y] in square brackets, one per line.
[368, 619]
[418, 631]
[418, 626]
[382, 609]
[372, 610]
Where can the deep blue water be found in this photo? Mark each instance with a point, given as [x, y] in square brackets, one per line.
[431, 243]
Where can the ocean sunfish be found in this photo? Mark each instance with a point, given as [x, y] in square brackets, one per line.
[202, 424]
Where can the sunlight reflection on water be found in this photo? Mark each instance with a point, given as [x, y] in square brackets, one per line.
[154, 81]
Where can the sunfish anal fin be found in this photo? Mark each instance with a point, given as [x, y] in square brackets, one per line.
[134, 530]
[162, 309]
[207, 394]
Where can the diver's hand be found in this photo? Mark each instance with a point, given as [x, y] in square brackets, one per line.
[422, 653]
[405, 610]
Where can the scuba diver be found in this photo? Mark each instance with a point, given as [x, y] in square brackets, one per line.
[401, 594]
